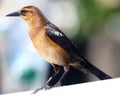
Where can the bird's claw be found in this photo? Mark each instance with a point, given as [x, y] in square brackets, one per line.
[46, 87]
[58, 84]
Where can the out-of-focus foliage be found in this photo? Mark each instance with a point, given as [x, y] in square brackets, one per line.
[94, 15]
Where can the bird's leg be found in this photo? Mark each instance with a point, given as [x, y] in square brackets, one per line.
[52, 78]
[62, 77]
[46, 85]
[60, 80]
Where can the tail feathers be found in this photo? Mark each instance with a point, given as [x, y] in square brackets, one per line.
[97, 72]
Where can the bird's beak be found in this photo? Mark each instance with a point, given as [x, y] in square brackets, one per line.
[13, 14]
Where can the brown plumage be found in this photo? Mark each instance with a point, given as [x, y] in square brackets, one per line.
[53, 45]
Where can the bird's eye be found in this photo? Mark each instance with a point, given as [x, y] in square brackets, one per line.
[23, 12]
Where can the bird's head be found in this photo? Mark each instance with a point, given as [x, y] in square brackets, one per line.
[31, 14]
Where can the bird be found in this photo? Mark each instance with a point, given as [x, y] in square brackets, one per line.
[54, 46]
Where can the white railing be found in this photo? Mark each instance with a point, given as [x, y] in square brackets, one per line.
[106, 89]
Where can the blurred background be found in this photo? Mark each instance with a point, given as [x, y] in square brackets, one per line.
[94, 25]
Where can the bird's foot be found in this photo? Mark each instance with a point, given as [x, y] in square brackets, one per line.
[58, 84]
[46, 87]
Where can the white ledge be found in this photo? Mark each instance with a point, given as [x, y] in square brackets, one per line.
[94, 90]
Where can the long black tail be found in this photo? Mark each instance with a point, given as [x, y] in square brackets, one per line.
[93, 69]
[97, 72]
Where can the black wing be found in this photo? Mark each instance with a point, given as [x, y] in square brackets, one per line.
[61, 39]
